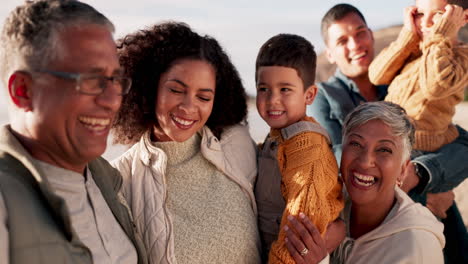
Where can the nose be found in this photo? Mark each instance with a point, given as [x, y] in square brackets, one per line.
[353, 43]
[426, 21]
[367, 158]
[109, 99]
[188, 104]
[274, 98]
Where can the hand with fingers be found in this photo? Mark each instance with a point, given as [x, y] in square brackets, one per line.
[408, 19]
[304, 242]
[439, 203]
[457, 16]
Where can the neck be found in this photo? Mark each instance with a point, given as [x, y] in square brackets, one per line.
[46, 154]
[366, 218]
[367, 89]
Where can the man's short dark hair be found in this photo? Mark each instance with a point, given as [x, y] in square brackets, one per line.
[462, 3]
[289, 50]
[336, 13]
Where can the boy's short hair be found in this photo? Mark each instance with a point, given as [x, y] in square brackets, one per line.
[336, 13]
[289, 50]
[462, 3]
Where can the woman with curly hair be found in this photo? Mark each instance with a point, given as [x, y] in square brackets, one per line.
[188, 177]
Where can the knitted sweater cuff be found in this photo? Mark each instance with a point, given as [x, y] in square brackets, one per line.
[444, 28]
[408, 39]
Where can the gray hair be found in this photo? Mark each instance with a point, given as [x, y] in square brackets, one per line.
[30, 35]
[389, 113]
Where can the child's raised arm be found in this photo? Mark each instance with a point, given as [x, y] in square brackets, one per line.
[390, 60]
[444, 65]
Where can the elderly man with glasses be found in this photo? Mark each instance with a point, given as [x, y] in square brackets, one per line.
[59, 200]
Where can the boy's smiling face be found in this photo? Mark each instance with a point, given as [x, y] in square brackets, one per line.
[281, 97]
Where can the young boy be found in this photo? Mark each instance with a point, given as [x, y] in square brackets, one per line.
[297, 169]
[427, 68]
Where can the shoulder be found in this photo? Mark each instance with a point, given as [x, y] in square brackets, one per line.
[410, 245]
[307, 129]
[415, 244]
[103, 171]
[233, 137]
[127, 157]
[236, 133]
[234, 154]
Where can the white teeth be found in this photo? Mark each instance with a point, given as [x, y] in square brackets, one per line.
[363, 180]
[358, 56]
[92, 121]
[183, 121]
[95, 128]
[275, 112]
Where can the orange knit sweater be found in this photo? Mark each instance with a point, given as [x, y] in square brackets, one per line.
[428, 79]
[310, 184]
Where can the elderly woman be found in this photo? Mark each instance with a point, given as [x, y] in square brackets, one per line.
[383, 224]
[188, 177]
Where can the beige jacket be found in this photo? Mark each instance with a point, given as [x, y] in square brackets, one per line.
[143, 170]
[409, 234]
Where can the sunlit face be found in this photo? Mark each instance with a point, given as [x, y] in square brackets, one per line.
[70, 128]
[371, 162]
[428, 13]
[281, 99]
[185, 99]
[350, 45]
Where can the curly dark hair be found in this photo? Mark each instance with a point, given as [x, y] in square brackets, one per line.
[146, 54]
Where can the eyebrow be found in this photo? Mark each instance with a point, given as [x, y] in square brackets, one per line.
[280, 83]
[186, 86]
[119, 71]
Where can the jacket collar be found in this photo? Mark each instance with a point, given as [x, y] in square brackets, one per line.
[351, 86]
[9, 144]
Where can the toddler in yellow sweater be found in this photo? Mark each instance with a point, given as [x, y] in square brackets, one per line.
[426, 68]
[297, 169]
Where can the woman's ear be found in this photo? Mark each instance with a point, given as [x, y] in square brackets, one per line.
[310, 94]
[19, 90]
[404, 167]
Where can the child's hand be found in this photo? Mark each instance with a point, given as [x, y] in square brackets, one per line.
[408, 18]
[456, 15]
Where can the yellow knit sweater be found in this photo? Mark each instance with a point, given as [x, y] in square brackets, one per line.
[310, 184]
[428, 79]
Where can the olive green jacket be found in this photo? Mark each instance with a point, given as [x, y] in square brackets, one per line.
[38, 222]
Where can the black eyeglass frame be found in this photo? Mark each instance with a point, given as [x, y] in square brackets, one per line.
[78, 77]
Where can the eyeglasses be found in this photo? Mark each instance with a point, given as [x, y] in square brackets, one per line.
[94, 84]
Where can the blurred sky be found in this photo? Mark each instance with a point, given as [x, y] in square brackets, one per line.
[241, 26]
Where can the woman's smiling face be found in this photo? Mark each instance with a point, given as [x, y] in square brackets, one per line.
[185, 99]
[371, 162]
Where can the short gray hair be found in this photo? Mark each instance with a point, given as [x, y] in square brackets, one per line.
[389, 113]
[30, 35]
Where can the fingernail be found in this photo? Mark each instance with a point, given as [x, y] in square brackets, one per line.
[302, 215]
[286, 240]
[286, 228]
[290, 217]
